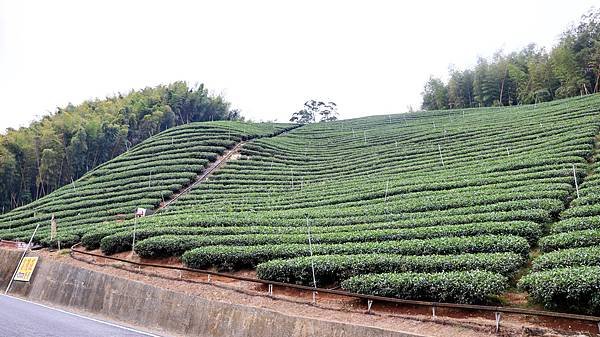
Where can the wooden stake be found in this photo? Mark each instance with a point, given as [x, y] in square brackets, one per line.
[575, 179]
[386, 191]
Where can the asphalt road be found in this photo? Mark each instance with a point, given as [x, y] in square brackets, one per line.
[26, 319]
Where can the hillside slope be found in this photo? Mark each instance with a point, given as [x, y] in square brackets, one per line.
[143, 177]
[442, 206]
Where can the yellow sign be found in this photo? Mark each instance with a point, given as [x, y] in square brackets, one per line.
[26, 269]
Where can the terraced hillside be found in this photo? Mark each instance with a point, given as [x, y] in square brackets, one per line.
[567, 274]
[467, 193]
[144, 176]
[443, 206]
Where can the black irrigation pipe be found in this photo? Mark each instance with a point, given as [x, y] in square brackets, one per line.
[370, 298]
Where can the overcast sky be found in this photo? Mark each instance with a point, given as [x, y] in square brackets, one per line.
[266, 57]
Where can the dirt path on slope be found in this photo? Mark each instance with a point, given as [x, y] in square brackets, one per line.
[231, 154]
[220, 161]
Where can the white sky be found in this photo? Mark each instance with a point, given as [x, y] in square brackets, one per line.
[267, 57]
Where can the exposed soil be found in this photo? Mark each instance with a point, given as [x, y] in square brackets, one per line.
[448, 322]
[516, 299]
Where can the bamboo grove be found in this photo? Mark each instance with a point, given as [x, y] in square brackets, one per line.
[64, 145]
[527, 76]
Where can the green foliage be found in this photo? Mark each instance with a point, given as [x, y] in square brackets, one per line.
[459, 287]
[235, 257]
[334, 268]
[584, 238]
[575, 257]
[435, 95]
[574, 289]
[575, 224]
[113, 244]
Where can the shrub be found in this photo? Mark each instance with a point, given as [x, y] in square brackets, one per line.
[584, 238]
[334, 268]
[459, 287]
[114, 243]
[587, 256]
[575, 224]
[574, 289]
[232, 257]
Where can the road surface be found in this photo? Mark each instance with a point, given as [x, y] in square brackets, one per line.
[20, 318]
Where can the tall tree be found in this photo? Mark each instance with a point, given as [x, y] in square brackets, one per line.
[564, 65]
[435, 95]
[460, 89]
[328, 111]
[312, 108]
[486, 84]
[527, 76]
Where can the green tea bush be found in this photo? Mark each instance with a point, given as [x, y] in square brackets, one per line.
[574, 289]
[234, 257]
[334, 268]
[584, 238]
[466, 287]
[575, 257]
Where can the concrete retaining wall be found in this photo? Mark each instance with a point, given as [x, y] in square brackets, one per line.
[139, 304]
[8, 263]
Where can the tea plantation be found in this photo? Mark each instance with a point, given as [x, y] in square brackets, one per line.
[448, 205]
[143, 177]
[567, 274]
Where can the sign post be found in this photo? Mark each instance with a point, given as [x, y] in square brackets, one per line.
[312, 263]
[21, 260]
[134, 228]
[139, 212]
[52, 228]
[26, 269]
